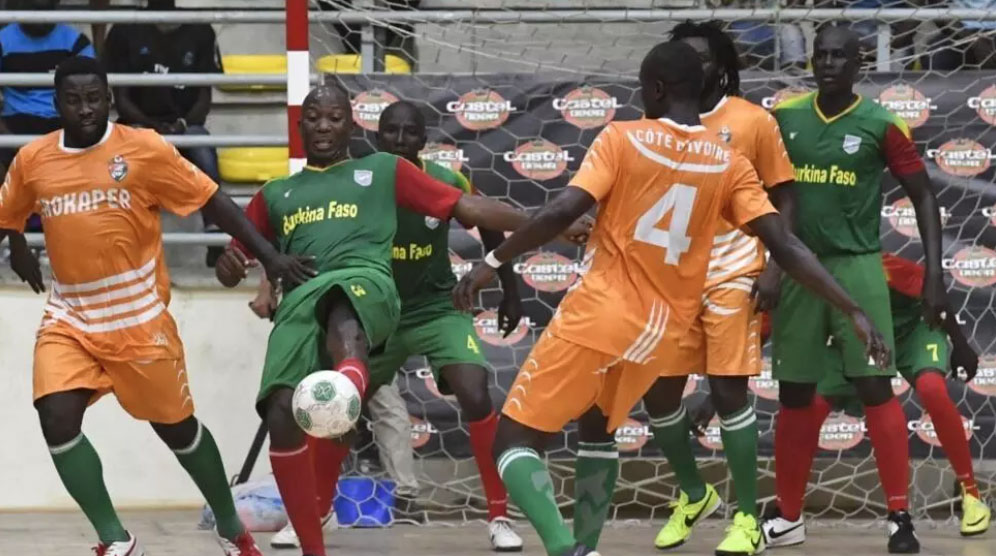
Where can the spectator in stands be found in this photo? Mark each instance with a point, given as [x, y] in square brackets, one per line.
[759, 42]
[901, 47]
[964, 44]
[34, 48]
[396, 39]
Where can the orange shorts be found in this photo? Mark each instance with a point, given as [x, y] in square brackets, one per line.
[561, 380]
[725, 338]
[154, 391]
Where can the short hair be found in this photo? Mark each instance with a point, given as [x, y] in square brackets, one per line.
[333, 89]
[79, 65]
[404, 105]
[721, 46]
[677, 66]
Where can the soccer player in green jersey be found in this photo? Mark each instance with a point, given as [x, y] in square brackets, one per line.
[839, 143]
[341, 212]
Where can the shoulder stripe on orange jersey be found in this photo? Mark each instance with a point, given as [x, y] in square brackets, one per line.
[681, 166]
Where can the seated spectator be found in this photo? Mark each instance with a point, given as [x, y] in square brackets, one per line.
[759, 42]
[964, 44]
[397, 39]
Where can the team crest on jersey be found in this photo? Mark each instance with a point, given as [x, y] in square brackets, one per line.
[726, 134]
[851, 144]
[431, 223]
[363, 177]
[118, 168]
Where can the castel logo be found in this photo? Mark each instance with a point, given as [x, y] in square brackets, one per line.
[430, 383]
[990, 213]
[691, 385]
[712, 439]
[902, 217]
[368, 106]
[539, 159]
[841, 432]
[449, 156]
[548, 272]
[486, 324]
[985, 379]
[973, 266]
[924, 428]
[587, 107]
[459, 266]
[422, 432]
[481, 109]
[907, 103]
[632, 435]
[962, 157]
[985, 105]
[763, 385]
[781, 96]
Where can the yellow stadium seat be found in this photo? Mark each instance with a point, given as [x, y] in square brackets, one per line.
[253, 164]
[352, 63]
[241, 64]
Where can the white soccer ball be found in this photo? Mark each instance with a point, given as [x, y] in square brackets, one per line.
[326, 404]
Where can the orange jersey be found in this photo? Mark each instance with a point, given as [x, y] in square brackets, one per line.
[100, 211]
[663, 189]
[751, 130]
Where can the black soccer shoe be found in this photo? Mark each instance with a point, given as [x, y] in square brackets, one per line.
[902, 536]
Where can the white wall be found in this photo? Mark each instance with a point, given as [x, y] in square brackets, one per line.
[225, 345]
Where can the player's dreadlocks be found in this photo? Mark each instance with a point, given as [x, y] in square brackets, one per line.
[722, 47]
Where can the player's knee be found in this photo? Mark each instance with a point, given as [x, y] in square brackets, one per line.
[470, 386]
[284, 432]
[664, 397]
[796, 395]
[61, 420]
[512, 434]
[729, 394]
[345, 337]
[931, 387]
[592, 427]
[873, 390]
[177, 436]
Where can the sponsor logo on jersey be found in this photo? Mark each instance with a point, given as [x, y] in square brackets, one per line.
[962, 157]
[899, 385]
[539, 159]
[712, 439]
[632, 435]
[118, 168]
[985, 104]
[763, 385]
[459, 266]
[782, 95]
[363, 178]
[425, 374]
[834, 175]
[841, 432]
[973, 266]
[902, 217]
[481, 109]
[907, 103]
[924, 428]
[691, 385]
[431, 222]
[851, 143]
[548, 272]
[308, 215]
[85, 201]
[369, 105]
[422, 432]
[449, 156]
[587, 107]
[486, 324]
[725, 134]
[985, 379]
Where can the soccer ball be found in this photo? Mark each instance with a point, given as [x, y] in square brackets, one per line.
[326, 404]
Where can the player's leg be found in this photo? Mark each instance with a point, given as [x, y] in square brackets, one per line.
[596, 470]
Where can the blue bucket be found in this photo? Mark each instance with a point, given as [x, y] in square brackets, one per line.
[364, 502]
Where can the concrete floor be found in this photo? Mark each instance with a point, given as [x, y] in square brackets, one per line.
[173, 533]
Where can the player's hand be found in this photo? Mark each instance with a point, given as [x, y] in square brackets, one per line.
[964, 361]
[935, 301]
[24, 263]
[509, 314]
[287, 271]
[876, 348]
[465, 292]
[232, 267]
[767, 289]
[265, 303]
[579, 231]
[700, 415]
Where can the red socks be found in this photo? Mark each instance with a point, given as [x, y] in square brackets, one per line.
[933, 392]
[887, 430]
[326, 457]
[797, 435]
[356, 371]
[482, 438]
[295, 477]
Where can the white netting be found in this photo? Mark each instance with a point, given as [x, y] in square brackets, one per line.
[952, 119]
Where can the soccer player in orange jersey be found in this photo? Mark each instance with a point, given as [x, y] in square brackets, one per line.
[99, 188]
[664, 185]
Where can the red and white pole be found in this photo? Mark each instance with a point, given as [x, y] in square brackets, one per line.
[298, 76]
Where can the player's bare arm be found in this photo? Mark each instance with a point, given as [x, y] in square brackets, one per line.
[768, 287]
[510, 306]
[928, 221]
[23, 262]
[549, 222]
[802, 265]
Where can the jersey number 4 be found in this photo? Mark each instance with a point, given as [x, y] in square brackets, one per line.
[679, 198]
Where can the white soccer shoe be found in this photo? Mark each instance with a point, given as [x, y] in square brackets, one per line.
[122, 548]
[287, 537]
[779, 531]
[503, 537]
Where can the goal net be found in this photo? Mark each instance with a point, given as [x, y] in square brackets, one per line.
[513, 103]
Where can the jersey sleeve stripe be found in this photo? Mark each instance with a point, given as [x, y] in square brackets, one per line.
[680, 166]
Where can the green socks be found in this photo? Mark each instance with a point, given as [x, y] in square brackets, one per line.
[595, 473]
[203, 463]
[530, 487]
[739, 433]
[672, 436]
[79, 468]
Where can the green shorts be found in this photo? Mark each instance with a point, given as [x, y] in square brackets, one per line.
[446, 338]
[296, 347]
[804, 323]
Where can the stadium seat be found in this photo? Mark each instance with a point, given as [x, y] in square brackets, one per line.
[236, 64]
[252, 164]
[352, 63]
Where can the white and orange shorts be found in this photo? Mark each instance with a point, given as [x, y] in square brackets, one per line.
[561, 380]
[724, 339]
[149, 390]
